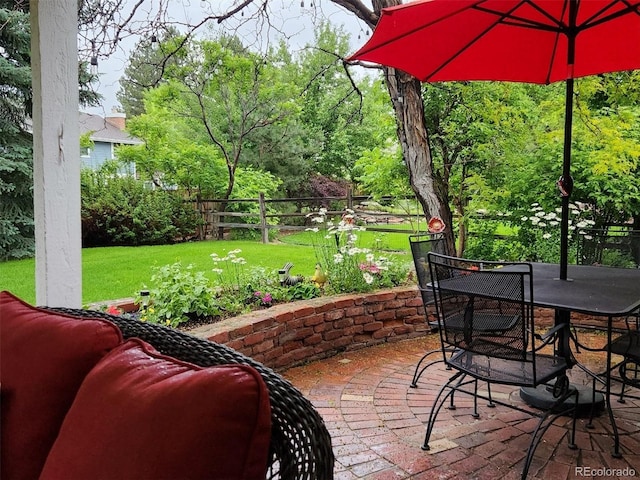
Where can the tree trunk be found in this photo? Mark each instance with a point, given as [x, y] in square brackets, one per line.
[431, 189]
[432, 193]
[461, 205]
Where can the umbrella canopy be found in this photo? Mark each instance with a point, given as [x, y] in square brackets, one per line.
[534, 41]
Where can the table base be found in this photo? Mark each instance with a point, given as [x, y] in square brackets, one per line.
[542, 397]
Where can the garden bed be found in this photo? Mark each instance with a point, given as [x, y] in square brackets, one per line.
[294, 333]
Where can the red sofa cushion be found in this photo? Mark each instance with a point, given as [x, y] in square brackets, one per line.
[143, 415]
[45, 358]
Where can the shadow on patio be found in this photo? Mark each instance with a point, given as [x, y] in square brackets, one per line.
[377, 423]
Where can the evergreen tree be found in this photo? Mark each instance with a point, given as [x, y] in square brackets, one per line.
[16, 163]
[145, 69]
[16, 144]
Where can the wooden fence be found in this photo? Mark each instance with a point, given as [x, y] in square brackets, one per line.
[288, 214]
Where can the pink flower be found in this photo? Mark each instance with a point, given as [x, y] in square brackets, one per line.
[371, 268]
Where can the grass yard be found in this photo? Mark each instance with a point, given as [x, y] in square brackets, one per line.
[111, 273]
[394, 242]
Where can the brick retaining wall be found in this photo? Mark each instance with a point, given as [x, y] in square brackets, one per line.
[290, 334]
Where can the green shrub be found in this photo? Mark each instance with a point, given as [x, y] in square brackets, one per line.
[120, 211]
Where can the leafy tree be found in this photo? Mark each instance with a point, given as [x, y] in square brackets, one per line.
[195, 132]
[329, 106]
[380, 169]
[169, 155]
[287, 148]
[221, 111]
[607, 148]
[476, 129]
[227, 95]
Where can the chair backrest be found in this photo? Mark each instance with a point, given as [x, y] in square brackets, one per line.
[484, 307]
[615, 248]
[421, 245]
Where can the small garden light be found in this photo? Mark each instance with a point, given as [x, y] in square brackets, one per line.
[144, 299]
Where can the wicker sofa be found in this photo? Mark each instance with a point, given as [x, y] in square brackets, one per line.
[299, 445]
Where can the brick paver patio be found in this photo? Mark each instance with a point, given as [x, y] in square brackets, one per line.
[377, 423]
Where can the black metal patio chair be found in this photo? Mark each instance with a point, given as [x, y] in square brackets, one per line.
[608, 246]
[300, 447]
[470, 297]
[613, 248]
[625, 370]
[627, 346]
[421, 245]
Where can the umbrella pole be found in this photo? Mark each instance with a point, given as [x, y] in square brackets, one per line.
[566, 180]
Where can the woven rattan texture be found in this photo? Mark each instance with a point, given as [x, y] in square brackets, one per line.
[300, 443]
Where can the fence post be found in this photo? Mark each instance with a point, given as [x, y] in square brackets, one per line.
[263, 219]
[350, 198]
[203, 217]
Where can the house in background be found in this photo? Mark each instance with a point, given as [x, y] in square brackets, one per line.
[106, 134]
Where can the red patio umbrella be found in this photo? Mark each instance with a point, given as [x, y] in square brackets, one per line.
[535, 41]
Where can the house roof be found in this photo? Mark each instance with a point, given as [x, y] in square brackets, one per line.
[102, 130]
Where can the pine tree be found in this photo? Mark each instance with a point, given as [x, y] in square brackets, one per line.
[16, 152]
[16, 143]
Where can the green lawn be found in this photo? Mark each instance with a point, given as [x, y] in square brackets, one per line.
[379, 240]
[120, 272]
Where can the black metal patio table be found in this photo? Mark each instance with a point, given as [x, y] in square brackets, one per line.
[594, 290]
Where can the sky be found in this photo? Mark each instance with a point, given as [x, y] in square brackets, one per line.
[287, 15]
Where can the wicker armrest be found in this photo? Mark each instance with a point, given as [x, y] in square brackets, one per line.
[300, 443]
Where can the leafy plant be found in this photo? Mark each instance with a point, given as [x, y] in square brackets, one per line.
[179, 294]
[302, 291]
[486, 242]
[540, 232]
[350, 267]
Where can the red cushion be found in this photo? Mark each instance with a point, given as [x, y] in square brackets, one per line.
[142, 415]
[45, 358]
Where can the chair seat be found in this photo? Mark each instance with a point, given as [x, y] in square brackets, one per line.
[508, 371]
[627, 345]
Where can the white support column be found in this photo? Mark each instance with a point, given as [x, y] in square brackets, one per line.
[56, 153]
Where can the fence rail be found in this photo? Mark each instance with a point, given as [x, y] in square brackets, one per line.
[291, 218]
[263, 217]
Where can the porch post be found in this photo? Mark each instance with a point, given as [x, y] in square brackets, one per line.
[56, 152]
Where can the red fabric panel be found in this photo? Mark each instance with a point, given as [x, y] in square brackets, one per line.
[142, 415]
[508, 40]
[45, 358]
